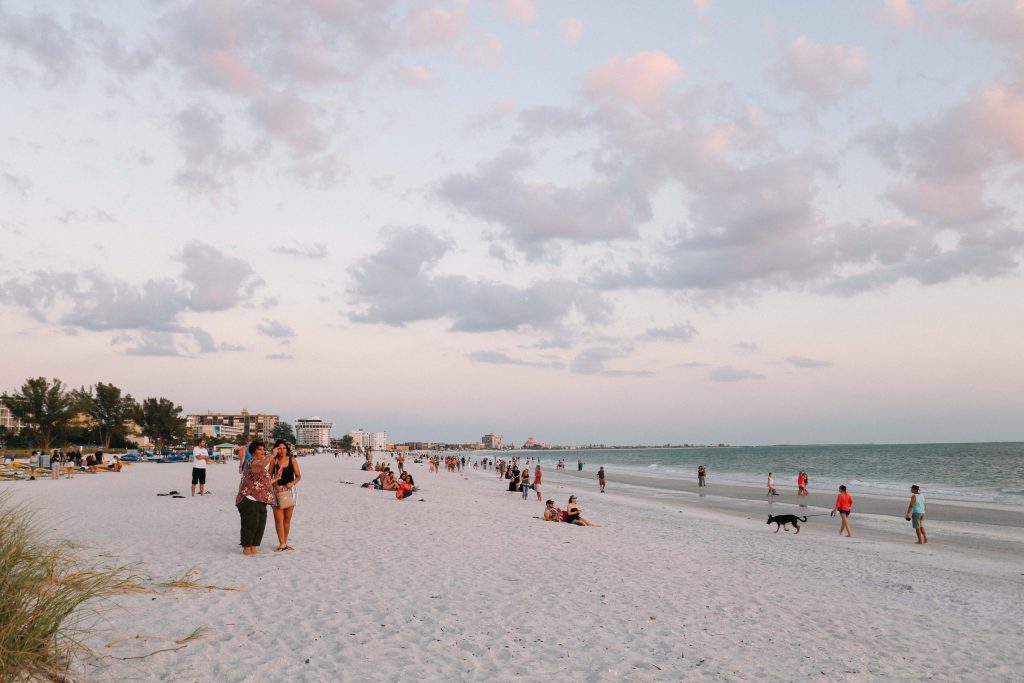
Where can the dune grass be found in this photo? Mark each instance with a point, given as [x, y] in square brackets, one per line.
[48, 598]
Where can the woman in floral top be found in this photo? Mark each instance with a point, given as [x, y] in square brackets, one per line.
[255, 493]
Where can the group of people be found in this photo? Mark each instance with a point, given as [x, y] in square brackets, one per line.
[915, 512]
[801, 483]
[571, 514]
[519, 480]
[403, 485]
[72, 460]
[268, 479]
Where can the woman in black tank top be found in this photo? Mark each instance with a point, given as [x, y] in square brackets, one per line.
[285, 475]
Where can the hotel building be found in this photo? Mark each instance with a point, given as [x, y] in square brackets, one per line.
[230, 425]
[312, 431]
[493, 442]
[374, 441]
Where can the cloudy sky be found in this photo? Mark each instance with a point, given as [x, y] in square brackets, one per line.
[620, 222]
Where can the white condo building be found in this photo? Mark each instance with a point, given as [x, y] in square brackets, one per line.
[374, 441]
[312, 431]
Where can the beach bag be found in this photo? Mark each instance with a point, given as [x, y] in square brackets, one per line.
[285, 499]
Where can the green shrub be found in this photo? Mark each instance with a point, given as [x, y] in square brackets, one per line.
[48, 598]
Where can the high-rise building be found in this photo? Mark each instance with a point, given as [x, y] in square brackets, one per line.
[230, 425]
[312, 431]
[493, 442]
[374, 441]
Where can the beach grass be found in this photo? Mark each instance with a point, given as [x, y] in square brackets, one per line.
[189, 581]
[48, 598]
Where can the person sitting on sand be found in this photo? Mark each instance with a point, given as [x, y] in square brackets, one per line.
[551, 513]
[115, 465]
[572, 513]
[387, 480]
[406, 477]
[405, 487]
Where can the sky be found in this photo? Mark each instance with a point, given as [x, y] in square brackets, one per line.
[588, 222]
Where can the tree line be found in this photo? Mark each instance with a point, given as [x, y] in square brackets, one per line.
[52, 415]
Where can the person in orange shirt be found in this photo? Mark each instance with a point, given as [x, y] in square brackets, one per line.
[844, 503]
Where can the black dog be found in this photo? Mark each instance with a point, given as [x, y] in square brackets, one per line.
[783, 520]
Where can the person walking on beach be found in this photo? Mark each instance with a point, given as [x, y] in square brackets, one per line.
[579, 465]
[286, 475]
[915, 513]
[600, 478]
[524, 483]
[702, 476]
[800, 484]
[771, 487]
[844, 503]
[536, 479]
[200, 456]
[255, 493]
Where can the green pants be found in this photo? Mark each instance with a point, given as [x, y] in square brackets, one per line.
[254, 521]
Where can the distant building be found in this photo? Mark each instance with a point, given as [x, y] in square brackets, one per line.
[231, 425]
[312, 431]
[532, 443]
[8, 421]
[374, 441]
[493, 442]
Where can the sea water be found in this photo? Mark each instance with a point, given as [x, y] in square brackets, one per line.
[972, 472]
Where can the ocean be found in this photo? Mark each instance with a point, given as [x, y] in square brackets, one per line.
[971, 472]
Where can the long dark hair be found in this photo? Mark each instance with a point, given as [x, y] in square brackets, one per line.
[287, 448]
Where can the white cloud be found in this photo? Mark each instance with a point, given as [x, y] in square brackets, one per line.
[218, 281]
[533, 212]
[594, 361]
[680, 332]
[804, 362]
[316, 250]
[275, 329]
[397, 286]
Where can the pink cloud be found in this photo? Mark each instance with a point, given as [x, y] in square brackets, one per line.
[641, 79]
[571, 29]
[523, 11]
[431, 26]
[954, 159]
[823, 72]
[416, 76]
[489, 50]
[897, 13]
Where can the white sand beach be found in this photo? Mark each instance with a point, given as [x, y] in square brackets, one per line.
[466, 585]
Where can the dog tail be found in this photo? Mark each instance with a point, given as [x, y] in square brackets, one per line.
[802, 519]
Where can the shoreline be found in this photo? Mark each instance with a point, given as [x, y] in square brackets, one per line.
[969, 512]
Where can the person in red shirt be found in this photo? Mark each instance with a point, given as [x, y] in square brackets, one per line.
[844, 503]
